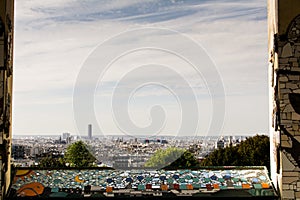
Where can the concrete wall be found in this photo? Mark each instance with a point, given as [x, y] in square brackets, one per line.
[274, 135]
[284, 80]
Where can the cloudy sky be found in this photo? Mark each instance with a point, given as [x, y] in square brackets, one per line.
[153, 67]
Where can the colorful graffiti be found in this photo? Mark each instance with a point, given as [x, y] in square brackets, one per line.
[98, 182]
[288, 96]
[286, 107]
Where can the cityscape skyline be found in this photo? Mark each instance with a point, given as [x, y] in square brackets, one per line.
[65, 33]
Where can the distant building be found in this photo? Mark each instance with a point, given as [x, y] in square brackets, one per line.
[27, 151]
[36, 151]
[137, 161]
[163, 141]
[230, 140]
[90, 131]
[18, 151]
[220, 144]
[65, 136]
[121, 161]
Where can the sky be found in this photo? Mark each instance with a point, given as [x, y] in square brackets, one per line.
[151, 67]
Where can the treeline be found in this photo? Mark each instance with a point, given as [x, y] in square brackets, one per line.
[254, 151]
[172, 157]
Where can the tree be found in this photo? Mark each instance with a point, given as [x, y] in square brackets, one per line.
[254, 151]
[171, 157]
[52, 162]
[186, 161]
[79, 154]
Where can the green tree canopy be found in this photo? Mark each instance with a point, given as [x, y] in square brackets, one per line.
[78, 154]
[172, 157]
[254, 151]
[52, 162]
[186, 161]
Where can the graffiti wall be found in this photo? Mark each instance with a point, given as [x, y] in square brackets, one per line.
[150, 183]
[286, 108]
[6, 79]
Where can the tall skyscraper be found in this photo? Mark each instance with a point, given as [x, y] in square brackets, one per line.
[90, 131]
[6, 66]
[65, 136]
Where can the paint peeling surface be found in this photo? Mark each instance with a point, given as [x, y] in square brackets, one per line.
[95, 183]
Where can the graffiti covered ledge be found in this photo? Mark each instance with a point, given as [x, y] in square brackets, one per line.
[216, 182]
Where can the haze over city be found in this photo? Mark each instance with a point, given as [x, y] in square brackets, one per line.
[54, 39]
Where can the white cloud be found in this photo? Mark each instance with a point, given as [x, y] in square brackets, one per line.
[54, 38]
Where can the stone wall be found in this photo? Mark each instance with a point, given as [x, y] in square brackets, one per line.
[285, 91]
[6, 66]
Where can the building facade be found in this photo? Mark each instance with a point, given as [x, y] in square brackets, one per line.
[18, 151]
[90, 131]
[284, 80]
[6, 66]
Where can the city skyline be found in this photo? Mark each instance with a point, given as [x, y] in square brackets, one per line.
[54, 39]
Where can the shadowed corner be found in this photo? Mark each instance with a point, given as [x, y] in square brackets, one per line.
[295, 101]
